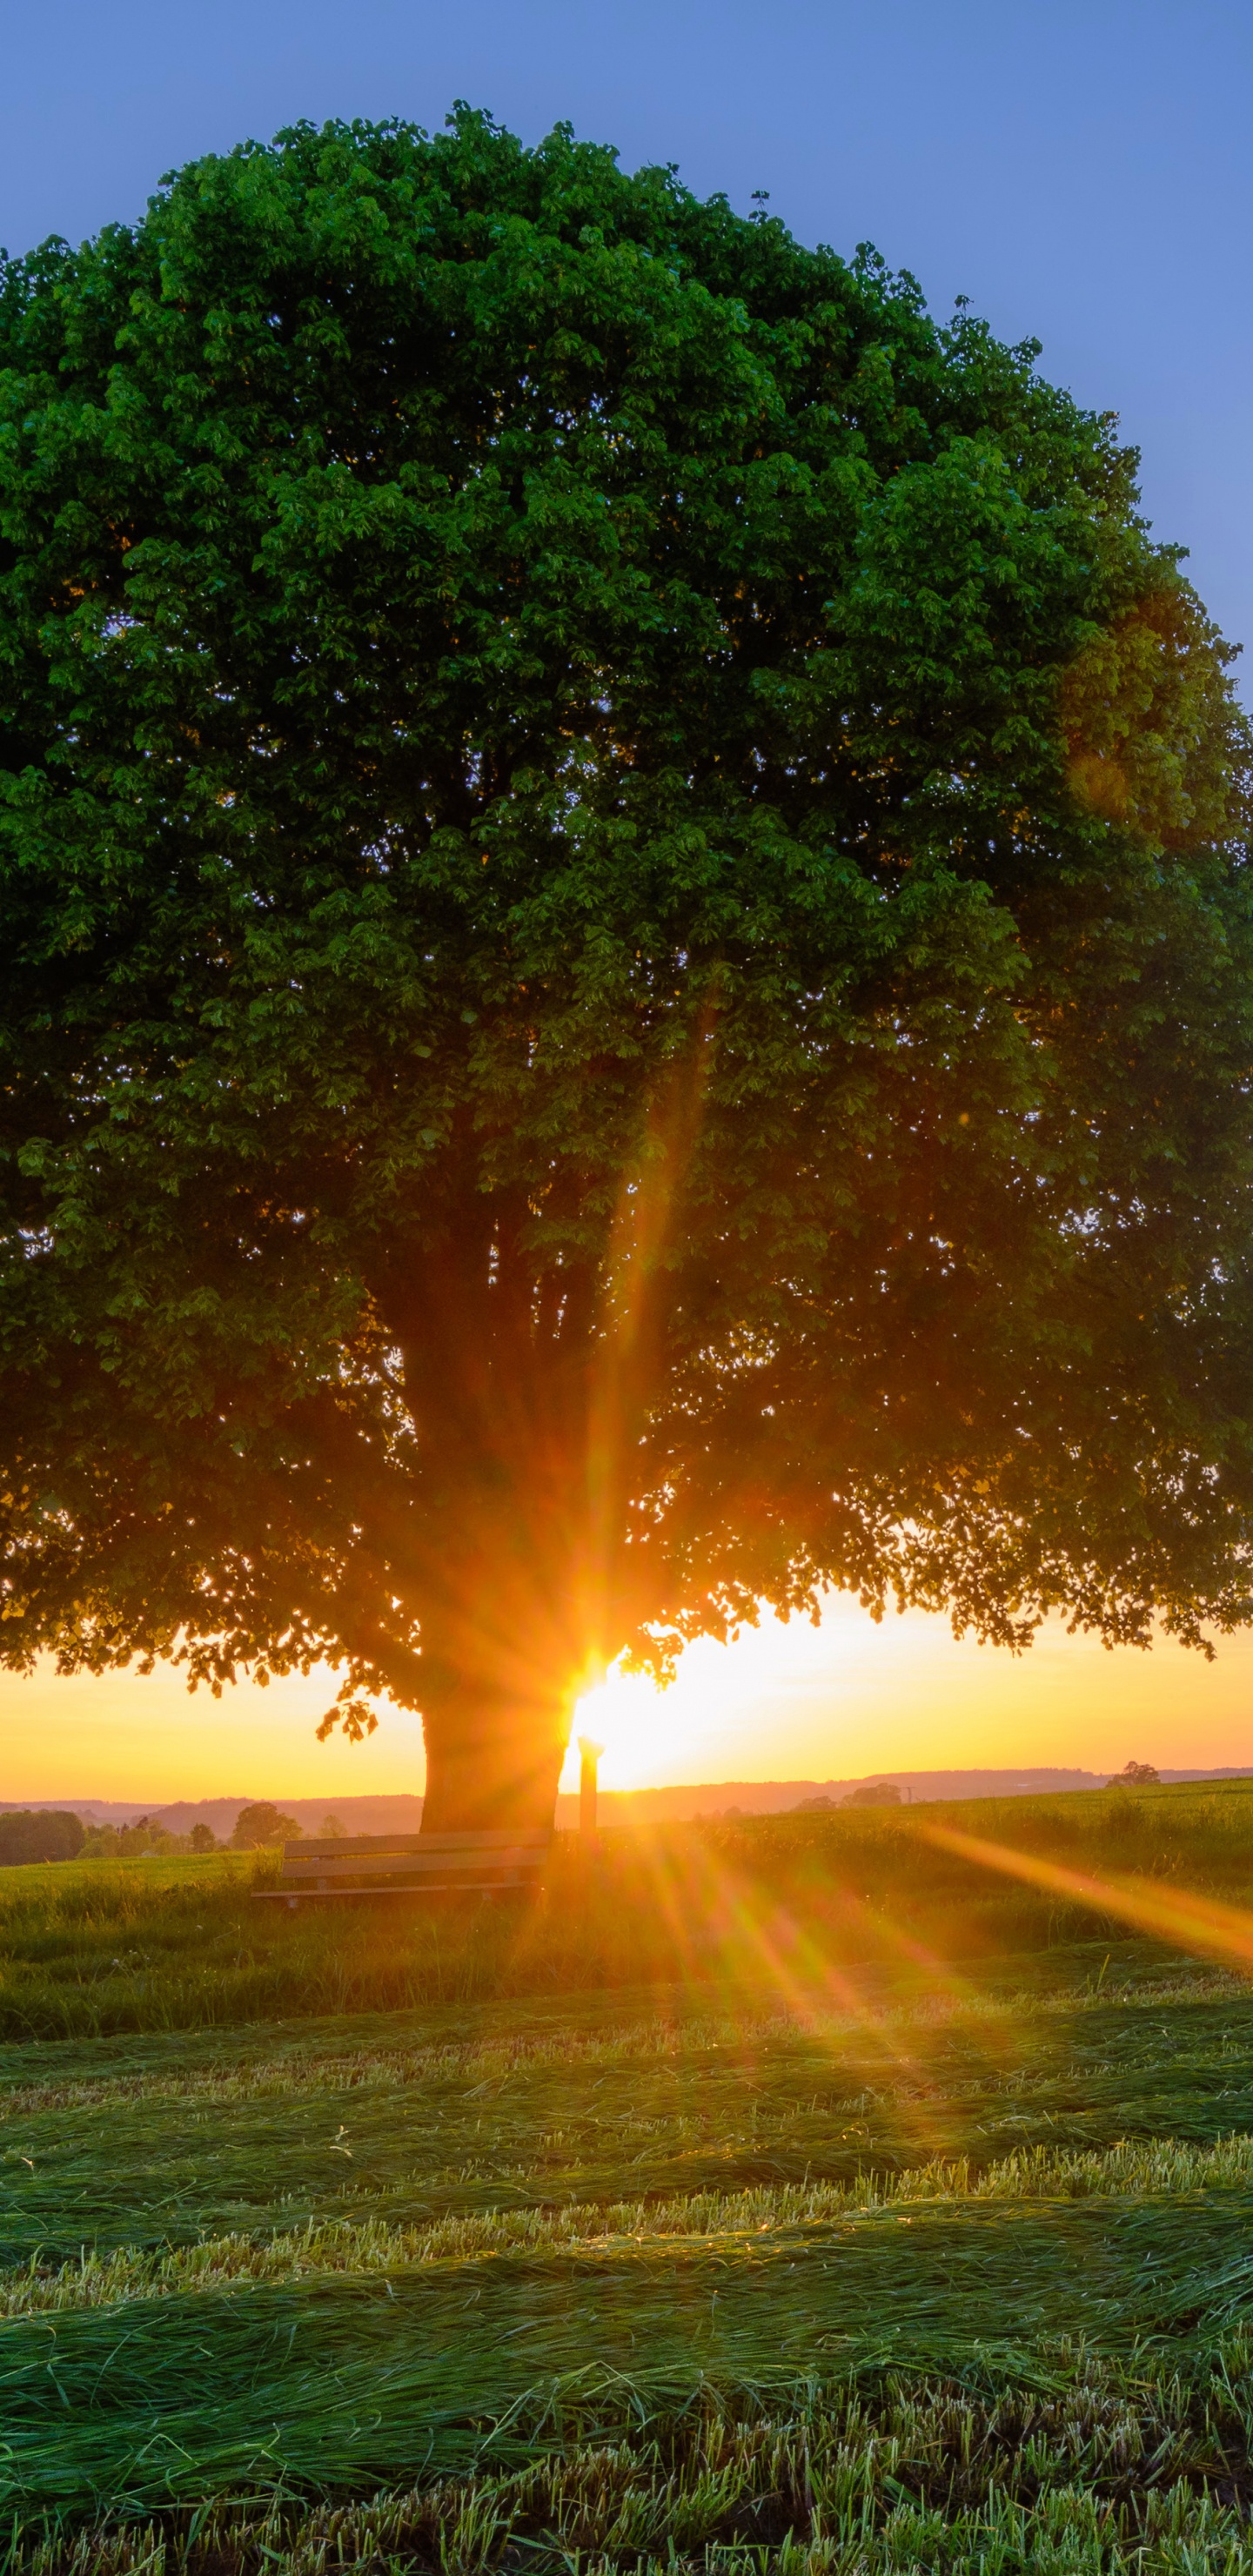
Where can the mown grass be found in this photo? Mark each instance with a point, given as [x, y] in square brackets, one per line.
[408, 2261]
[1152, 2170]
[1078, 2465]
[707, 2216]
[163, 2141]
[343, 2383]
[1088, 2469]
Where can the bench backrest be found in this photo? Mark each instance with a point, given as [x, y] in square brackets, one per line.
[488, 1859]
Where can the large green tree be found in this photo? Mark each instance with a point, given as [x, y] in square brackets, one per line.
[625, 982]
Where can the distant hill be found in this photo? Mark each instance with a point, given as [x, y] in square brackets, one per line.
[777, 1797]
[402, 1813]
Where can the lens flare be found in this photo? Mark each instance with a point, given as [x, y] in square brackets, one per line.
[1197, 1923]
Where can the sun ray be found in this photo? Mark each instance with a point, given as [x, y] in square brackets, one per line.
[1197, 1923]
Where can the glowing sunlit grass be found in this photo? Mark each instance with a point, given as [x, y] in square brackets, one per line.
[320, 2125]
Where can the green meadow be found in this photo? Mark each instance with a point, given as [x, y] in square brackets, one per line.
[96, 1948]
[786, 2194]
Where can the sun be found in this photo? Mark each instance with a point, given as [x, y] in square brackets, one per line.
[645, 1731]
[717, 1709]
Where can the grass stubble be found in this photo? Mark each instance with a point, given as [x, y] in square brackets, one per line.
[1079, 2465]
[947, 2342]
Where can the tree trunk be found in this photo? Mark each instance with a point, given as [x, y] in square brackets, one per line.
[492, 1762]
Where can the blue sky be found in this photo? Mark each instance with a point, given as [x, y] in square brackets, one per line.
[1082, 172]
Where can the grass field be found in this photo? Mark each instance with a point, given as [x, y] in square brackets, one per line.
[95, 1948]
[843, 2235]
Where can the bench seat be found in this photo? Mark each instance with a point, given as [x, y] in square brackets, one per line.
[356, 1865]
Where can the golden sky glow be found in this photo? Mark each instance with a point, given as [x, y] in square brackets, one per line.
[781, 1703]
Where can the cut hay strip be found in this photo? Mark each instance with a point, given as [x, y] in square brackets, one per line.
[498, 2057]
[1136, 2169]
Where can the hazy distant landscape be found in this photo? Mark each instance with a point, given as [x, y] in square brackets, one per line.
[398, 1813]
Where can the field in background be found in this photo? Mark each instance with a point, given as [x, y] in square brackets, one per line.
[799, 2195]
[398, 1812]
[93, 1947]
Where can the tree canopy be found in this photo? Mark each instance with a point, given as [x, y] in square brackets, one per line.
[262, 1824]
[625, 968]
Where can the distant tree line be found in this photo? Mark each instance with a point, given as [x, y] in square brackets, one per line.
[873, 1793]
[29, 1834]
[48, 1836]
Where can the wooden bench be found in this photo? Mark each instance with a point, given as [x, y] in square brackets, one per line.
[407, 1865]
